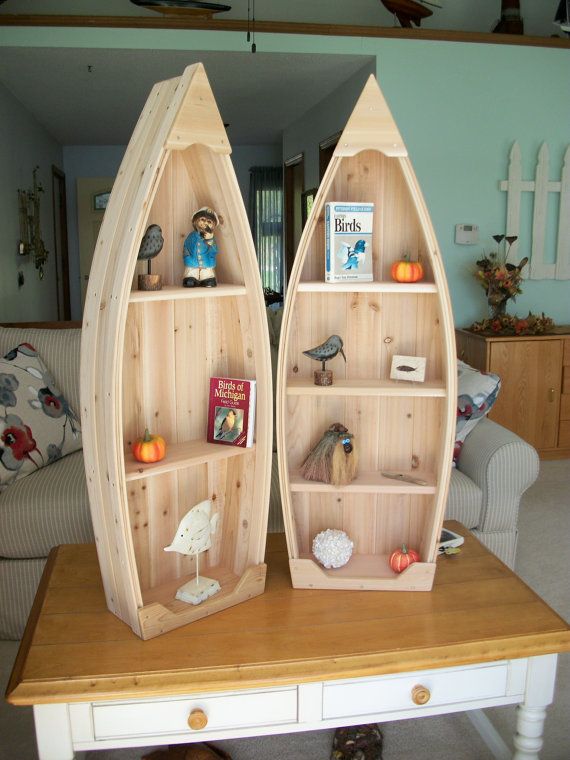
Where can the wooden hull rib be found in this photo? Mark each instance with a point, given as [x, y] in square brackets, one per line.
[147, 357]
[400, 426]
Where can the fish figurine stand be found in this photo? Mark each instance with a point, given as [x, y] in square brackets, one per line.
[194, 536]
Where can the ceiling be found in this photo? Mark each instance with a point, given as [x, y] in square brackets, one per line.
[94, 97]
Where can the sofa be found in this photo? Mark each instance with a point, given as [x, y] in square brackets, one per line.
[51, 507]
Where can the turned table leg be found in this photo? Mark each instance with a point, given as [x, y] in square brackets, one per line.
[539, 691]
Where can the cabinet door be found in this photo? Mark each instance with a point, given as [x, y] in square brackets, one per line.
[564, 434]
[529, 400]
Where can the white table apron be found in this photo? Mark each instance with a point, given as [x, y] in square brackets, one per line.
[64, 729]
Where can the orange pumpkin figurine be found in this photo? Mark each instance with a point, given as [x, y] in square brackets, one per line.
[402, 558]
[406, 270]
[149, 448]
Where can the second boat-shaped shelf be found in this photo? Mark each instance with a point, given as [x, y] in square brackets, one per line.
[147, 358]
[399, 426]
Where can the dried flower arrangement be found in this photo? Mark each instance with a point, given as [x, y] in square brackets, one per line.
[507, 324]
[500, 279]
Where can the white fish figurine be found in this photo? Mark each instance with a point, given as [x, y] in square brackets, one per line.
[194, 536]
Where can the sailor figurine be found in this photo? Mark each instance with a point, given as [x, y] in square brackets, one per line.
[200, 250]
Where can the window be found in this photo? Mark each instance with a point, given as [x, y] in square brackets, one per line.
[266, 219]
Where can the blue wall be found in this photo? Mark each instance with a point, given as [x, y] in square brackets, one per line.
[459, 107]
[24, 144]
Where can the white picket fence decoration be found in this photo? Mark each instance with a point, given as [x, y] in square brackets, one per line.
[514, 185]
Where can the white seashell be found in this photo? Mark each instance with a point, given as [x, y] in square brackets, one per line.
[332, 548]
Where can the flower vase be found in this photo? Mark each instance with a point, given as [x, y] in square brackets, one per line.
[497, 309]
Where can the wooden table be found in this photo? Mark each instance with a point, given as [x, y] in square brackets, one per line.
[288, 660]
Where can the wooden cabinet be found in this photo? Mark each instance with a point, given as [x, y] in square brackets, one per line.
[534, 400]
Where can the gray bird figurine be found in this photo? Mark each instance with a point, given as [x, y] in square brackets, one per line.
[151, 243]
[327, 350]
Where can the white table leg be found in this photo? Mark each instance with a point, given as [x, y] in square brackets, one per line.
[53, 732]
[539, 691]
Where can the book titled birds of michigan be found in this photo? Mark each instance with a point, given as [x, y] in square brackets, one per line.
[231, 411]
[348, 242]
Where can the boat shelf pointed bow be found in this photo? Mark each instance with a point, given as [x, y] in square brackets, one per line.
[371, 126]
[198, 120]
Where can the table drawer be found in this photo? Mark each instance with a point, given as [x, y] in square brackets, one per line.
[170, 716]
[393, 693]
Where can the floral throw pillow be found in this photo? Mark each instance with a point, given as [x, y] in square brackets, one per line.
[476, 394]
[37, 425]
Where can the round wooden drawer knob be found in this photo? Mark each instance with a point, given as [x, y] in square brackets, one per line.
[420, 695]
[197, 719]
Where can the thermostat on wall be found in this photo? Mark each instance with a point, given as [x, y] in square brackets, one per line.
[466, 234]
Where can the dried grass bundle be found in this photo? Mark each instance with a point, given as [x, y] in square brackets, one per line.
[334, 459]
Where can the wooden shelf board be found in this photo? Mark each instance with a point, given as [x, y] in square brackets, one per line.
[366, 287]
[175, 293]
[181, 455]
[366, 482]
[162, 612]
[186, 21]
[369, 572]
[165, 593]
[306, 387]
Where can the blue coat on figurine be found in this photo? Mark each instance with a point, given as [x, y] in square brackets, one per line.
[200, 250]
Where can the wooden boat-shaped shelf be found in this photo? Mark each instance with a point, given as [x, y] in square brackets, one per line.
[400, 426]
[147, 357]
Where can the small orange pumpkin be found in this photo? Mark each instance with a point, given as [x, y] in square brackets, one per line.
[402, 558]
[407, 271]
[149, 448]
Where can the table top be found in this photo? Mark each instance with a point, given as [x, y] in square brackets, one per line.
[478, 611]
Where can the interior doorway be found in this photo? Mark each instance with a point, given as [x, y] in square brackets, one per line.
[294, 185]
[92, 193]
[326, 150]
[61, 251]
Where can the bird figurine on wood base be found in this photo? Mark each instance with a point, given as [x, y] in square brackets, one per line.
[322, 353]
[151, 246]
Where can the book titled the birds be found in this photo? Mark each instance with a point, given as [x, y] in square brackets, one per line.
[348, 242]
[231, 411]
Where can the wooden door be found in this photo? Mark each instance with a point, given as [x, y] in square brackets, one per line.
[61, 243]
[89, 218]
[529, 400]
[294, 184]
